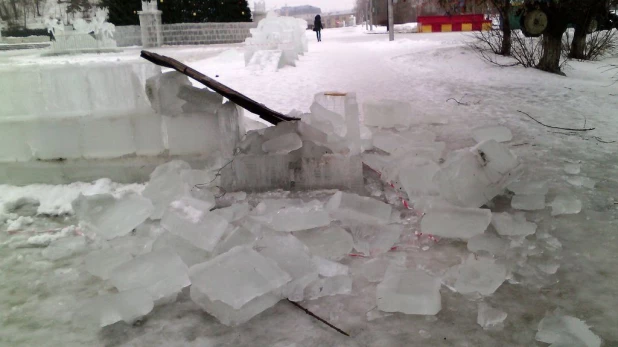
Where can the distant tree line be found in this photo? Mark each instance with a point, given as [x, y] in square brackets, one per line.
[124, 12]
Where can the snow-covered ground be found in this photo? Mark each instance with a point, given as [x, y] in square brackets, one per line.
[39, 296]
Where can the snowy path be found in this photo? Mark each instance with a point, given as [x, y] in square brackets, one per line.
[426, 69]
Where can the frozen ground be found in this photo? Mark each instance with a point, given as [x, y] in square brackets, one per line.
[38, 295]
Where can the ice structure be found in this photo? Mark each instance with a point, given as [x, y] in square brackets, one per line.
[96, 36]
[302, 155]
[277, 37]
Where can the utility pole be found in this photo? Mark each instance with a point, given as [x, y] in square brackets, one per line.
[391, 21]
[370, 15]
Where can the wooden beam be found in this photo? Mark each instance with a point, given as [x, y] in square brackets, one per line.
[239, 99]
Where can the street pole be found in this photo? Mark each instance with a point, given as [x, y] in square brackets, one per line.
[391, 21]
[370, 15]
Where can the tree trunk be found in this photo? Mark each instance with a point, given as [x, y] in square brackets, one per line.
[552, 51]
[578, 46]
[14, 6]
[506, 29]
[37, 4]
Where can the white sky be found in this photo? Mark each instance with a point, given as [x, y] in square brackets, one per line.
[325, 5]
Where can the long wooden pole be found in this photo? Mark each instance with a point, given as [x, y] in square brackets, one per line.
[239, 99]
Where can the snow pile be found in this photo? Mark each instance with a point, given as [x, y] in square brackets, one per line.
[276, 42]
[406, 28]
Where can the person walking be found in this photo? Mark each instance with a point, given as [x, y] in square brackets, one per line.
[317, 27]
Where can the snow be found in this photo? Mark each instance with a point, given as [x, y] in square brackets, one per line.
[425, 70]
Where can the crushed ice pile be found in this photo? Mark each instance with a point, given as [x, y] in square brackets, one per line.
[335, 224]
[276, 42]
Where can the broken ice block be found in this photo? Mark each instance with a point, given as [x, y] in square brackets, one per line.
[161, 273]
[482, 275]
[198, 99]
[488, 243]
[489, 317]
[110, 217]
[237, 285]
[101, 263]
[372, 240]
[283, 144]
[409, 291]
[133, 245]
[473, 177]
[190, 219]
[65, 247]
[418, 179]
[387, 113]
[512, 225]
[293, 257]
[398, 145]
[166, 185]
[336, 285]
[498, 133]
[126, 306]
[359, 209]
[162, 91]
[329, 268]
[332, 243]
[572, 169]
[566, 331]
[187, 251]
[529, 188]
[238, 236]
[580, 181]
[456, 222]
[374, 269]
[291, 215]
[528, 202]
[234, 212]
[563, 204]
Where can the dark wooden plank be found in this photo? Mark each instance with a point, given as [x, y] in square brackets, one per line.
[239, 99]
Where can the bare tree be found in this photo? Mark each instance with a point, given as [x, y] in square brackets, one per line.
[587, 17]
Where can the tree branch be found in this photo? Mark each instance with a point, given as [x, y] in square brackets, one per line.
[318, 318]
[553, 127]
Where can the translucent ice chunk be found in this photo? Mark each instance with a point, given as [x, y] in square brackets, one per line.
[131, 244]
[190, 219]
[387, 113]
[283, 144]
[372, 240]
[572, 169]
[101, 263]
[374, 269]
[489, 317]
[352, 207]
[110, 217]
[199, 100]
[332, 243]
[566, 331]
[512, 225]
[456, 222]
[580, 181]
[238, 236]
[292, 215]
[488, 243]
[482, 275]
[472, 178]
[409, 291]
[294, 258]
[337, 285]
[234, 212]
[529, 188]
[166, 185]
[329, 268]
[418, 179]
[498, 133]
[65, 247]
[126, 306]
[162, 273]
[528, 202]
[237, 285]
[563, 204]
[187, 251]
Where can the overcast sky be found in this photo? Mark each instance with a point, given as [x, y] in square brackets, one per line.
[325, 5]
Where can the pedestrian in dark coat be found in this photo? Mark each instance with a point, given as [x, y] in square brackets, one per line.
[317, 27]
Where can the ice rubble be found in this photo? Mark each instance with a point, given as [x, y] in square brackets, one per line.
[281, 38]
[559, 330]
[489, 317]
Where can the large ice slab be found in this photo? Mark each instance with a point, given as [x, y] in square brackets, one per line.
[566, 331]
[387, 113]
[529, 187]
[291, 215]
[294, 258]
[512, 225]
[110, 217]
[237, 285]
[283, 144]
[329, 268]
[65, 247]
[101, 263]
[127, 306]
[186, 250]
[473, 177]
[372, 240]
[532, 202]
[190, 219]
[489, 317]
[482, 275]
[489, 243]
[331, 243]
[161, 273]
[329, 286]
[235, 236]
[163, 90]
[166, 185]
[456, 222]
[417, 179]
[360, 209]
[564, 204]
[409, 291]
